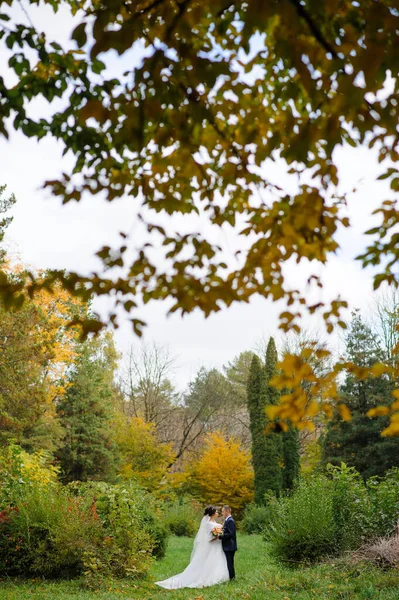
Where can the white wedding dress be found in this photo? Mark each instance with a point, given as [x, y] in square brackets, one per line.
[207, 566]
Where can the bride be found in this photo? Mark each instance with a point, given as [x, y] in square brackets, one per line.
[208, 564]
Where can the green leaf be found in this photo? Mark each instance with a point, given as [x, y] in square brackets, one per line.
[79, 35]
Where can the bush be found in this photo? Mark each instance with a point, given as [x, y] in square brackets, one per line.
[20, 470]
[328, 515]
[257, 518]
[182, 517]
[364, 510]
[42, 532]
[302, 526]
[353, 515]
[384, 499]
[127, 511]
[91, 529]
[45, 533]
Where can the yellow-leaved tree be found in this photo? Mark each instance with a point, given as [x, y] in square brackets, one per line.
[37, 346]
[223, 474]
[144, 458]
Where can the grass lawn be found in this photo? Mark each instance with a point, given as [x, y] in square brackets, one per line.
[258, 578]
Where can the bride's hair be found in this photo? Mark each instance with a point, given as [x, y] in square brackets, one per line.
[210, 511]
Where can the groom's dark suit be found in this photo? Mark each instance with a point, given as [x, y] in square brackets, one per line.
[229, 544]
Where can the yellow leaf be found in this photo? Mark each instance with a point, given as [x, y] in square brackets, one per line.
[344, 412]
[379, 369]
[379, 411]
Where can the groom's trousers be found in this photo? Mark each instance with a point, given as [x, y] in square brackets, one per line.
[230, 563]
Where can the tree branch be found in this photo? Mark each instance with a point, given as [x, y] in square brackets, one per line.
[302, 12]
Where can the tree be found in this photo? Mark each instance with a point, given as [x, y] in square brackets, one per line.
[292, 80]
[204, 404]
[5, 204]
[291, 458]
[283, 446]
[304, 444]
[222, 474]
[36, 349]
[26, 415]
[237, 373]
[149, 392]
[88, 449]
[266, 448]
[213, 403]
[358, 442]
[143, 457]
[386, 321]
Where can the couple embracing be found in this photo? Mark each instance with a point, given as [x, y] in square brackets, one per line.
[212, 558]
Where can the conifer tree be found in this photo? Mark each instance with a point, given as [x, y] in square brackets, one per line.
[266, 448]
[274, 440]
[256, 406]
[88, 450]
[358, 442]
[291, 458]
[288, 446]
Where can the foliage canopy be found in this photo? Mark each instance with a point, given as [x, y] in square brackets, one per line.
[223, 89]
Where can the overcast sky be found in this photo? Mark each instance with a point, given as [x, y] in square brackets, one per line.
[46, 234]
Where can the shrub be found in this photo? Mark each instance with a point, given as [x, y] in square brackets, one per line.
[52, 531]
[42, 532]
[328, 515]
[257, 518]
[384, 499]
[351, 507]
[45, 533]
[182, 517]
[127, 511]
[302, 526]
[20, 470]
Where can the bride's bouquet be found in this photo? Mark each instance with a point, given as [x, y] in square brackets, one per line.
[217, 530]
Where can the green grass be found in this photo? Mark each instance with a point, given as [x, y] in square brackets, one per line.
[258, 578]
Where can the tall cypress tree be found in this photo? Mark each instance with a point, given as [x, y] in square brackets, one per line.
[274, 441]
[267, 451]
[359, 442]
[291, 457]
[288, 446]
[256, 408]
[88, 450]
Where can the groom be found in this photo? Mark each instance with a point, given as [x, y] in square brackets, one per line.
[229, 539]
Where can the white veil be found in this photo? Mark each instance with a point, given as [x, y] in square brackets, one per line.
[201, 539]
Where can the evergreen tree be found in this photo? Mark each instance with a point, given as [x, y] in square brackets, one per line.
[274, 440]
[256, 406]
[267, 451]
[288, 445]
[359, 442]
[291, 457]
[88, 450]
